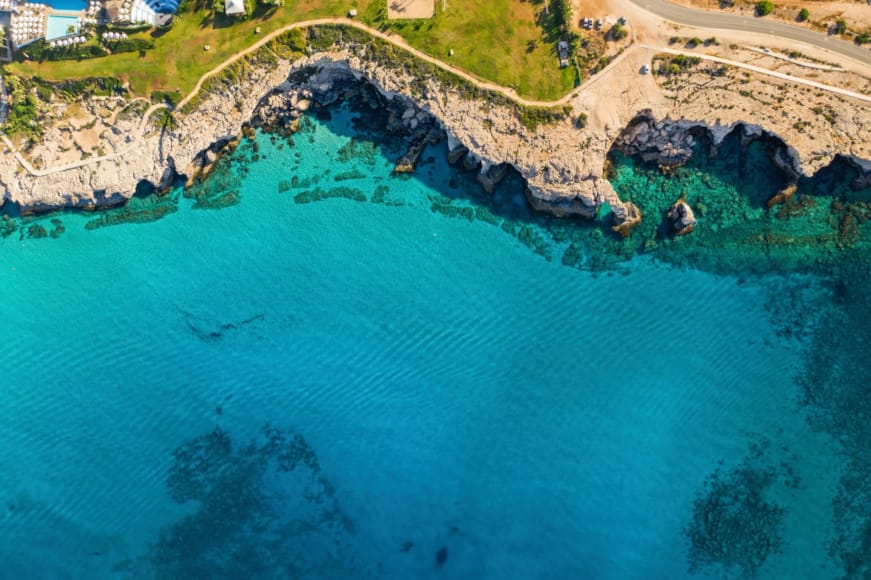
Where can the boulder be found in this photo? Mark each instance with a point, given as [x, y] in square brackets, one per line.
[681, 215]
[623, 225]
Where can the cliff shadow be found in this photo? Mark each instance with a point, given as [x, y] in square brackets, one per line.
[455, 190]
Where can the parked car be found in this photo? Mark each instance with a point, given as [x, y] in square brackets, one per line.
[562, 48]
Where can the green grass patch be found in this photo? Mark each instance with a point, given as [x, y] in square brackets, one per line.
[509, 42]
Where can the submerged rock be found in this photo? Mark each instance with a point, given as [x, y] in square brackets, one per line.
[734, 527]
[784, 196]
[441, 557]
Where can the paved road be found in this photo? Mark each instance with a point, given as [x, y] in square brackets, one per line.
[726, 21]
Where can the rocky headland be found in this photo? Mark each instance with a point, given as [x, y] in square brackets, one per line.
[564, 161]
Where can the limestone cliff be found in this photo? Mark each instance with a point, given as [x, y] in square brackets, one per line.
[563, 163]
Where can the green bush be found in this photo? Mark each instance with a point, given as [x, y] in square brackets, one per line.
[863, 38]
[840, 26]
[73, 89]
[23, 112]
[171, 98]
[131, 45]
[694, 42]
[764, 7]
[532, 117]
[804, 14]
[678, 64]
[130, 28]
[562, 10]
[44, 92]
[618, 32]
[40, 51]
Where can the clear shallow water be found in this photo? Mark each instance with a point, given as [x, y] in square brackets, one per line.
[58, 26]
[459, 391]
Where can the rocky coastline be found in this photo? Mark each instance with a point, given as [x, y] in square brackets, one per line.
[564, 166]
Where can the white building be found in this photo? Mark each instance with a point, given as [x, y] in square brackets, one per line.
[234, 7]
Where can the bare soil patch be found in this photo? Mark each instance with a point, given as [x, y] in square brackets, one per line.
[408, 9]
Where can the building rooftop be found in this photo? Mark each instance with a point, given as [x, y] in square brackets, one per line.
[234, 7]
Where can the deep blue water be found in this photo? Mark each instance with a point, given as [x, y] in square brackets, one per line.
[465, 408]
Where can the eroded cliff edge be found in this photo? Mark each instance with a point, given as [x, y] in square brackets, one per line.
[563, 162]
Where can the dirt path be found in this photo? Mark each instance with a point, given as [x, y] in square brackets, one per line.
[391, 38]
[401, 43]
[771, 73]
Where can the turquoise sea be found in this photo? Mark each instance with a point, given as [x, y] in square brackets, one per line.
[342, 373]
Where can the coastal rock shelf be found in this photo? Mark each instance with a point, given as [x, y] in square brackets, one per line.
[563, 163]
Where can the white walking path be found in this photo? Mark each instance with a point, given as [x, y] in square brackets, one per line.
[771, 73]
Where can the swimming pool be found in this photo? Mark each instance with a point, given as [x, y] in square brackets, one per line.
[67, 4]
[58, 26]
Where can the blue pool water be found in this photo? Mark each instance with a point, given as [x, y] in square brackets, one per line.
[465, 407]
[67, 4]
[58, 26]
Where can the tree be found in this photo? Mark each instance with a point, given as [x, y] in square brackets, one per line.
[840, 26]
[764, 7]
[804, 14]
[618, 32]
[563, 12]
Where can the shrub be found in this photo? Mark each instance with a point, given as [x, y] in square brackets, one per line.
[562, 9]
[532, 117]
[804, 14]
[171, 98]
[23, 111]
[678, 64]
[764, 7]
[44, 92]
[863, 38]
[840, 26]
[40, 51]
[694, 42]
[618, 32]
[131, 45]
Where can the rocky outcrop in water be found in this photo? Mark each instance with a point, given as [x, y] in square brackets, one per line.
[671, 144]
[681, 216]
[660, 142]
